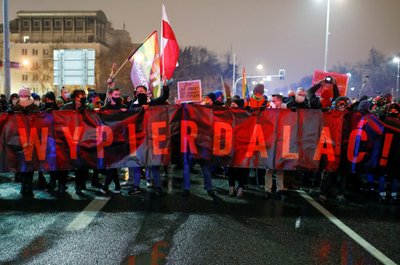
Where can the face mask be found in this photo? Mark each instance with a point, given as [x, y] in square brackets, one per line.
[14, 101]
[66, 95]
[83, 101]
[117, 100]
[142, 98]
[300, 99]
[37, 103]
[23, 99]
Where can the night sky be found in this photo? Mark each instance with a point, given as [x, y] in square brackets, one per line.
[286, 34]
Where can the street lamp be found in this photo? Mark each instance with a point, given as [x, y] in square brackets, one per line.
[397, 60]
[260, 67]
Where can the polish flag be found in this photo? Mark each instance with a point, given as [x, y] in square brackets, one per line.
[169, 48]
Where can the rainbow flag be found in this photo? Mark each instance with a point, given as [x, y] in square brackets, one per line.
[146, 65]
[245, 89]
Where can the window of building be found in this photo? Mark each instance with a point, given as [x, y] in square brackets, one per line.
[24, 52]
[24, 77]
[90, 24]
[25, 39]
[57, 24]
[46, 52]
[68, 24]
[79, 24]
[25, 24]
[46, 24]
[35, 52]
[35, 77]
[36, 25]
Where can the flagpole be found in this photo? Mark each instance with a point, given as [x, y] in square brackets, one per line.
[234, 74]
[162, 43]
[119, 69]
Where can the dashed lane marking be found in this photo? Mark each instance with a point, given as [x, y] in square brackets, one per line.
[88, 214]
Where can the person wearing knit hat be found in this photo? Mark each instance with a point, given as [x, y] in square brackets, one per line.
[237, 102]
[25, 104]
[24, 92]
[364, 107]
[36, 99]
[208, 99]
[219, 98]
[49, 101]
[257, 100]
[50, 95]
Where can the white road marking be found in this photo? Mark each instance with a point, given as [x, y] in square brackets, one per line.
[361, 241]
[88, 214]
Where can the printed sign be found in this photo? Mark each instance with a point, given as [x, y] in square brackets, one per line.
[189, 91]
[342, 80]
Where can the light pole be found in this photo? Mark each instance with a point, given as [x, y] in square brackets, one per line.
[328, 5]
[328, 9]
[397, 60]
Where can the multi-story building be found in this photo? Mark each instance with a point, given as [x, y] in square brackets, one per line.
[34, 35]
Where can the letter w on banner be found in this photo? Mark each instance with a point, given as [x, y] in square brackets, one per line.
[146, 65]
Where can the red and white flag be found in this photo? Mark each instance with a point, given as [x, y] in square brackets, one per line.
[169, 48]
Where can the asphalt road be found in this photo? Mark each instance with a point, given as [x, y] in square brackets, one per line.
[145, 229]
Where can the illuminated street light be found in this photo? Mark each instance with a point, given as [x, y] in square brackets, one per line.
[397, 60]
[25, 62]
[260, 67]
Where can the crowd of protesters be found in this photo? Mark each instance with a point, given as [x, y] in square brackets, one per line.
[273, 183]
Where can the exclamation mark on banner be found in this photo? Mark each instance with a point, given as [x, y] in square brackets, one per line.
[386, 149]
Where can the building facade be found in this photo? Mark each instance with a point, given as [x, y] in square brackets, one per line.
[34, 35]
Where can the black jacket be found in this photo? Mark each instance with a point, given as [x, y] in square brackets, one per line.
[314, 100]
[154, 101]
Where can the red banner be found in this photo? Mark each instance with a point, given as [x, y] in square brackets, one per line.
[275, 139]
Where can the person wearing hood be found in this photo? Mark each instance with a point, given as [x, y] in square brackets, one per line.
[258, 99]
[144, 100]
[25, 104]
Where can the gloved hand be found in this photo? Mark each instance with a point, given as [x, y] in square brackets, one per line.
[293, 109]
[262, 108]
[248, 108]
